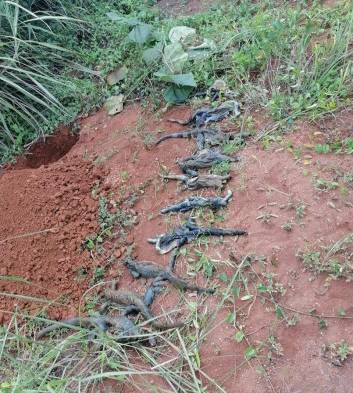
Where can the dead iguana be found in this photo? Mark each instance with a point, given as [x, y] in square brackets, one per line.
[199, 181]
[131, 299]
[193, 202]
[123, 325]
[207, 137]
[152, 270]
[205, 115]
[205, 158]
[188, 232]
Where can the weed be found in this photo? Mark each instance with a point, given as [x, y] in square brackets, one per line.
[204, 264]
[337, 352]
[98, 275]
[270, 286]
[298, 206]
[348, 178]
[268, 140]
[300, 210]
[250, 353]
[322, 149]
[222, 168]
[232, 147]
[56, 365]
[324, 185]
[323, 325]
[124, 176]
[274, 348]
[293, 320]
[107, 220]
[336, 262]
[288, 226]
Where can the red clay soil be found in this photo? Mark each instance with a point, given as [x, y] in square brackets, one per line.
[45, 215]
[58, 198]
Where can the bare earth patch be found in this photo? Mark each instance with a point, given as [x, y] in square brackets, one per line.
[276, 199]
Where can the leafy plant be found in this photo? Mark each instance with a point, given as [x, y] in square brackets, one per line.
[322, 149]
[204, 264]
[337, 261]
[324, 185]
[30, 58]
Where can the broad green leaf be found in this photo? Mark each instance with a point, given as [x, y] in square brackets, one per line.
[116, 17]
[180, 33]
[231, 317]
[279, 312]
[236, 291]
[176, 94]
[140, 33]
[250, 353]
[114, 104]
[246, 297]
[223, 277]
[174, 57]
[179, 79]
[239, 336]
[262, 288]
[201, 51]
[151, 55]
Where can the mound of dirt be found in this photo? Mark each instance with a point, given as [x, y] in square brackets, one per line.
[45, 215]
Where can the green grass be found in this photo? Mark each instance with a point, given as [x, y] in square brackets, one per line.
[29, 61]
[334, 260]
[291, 61]
[70, 364]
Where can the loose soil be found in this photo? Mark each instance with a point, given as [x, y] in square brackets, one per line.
[48, 211]
[188, 7]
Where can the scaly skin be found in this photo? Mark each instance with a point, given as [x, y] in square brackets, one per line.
[205, 158]
[193, 202]
[204, 115]
[152, 270]
[200, 181]
[186, 233]
[204, 136]
[127, 298]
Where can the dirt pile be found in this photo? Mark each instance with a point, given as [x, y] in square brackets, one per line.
[45, 215]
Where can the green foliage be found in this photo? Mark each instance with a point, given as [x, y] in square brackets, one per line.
[250, 353]
[324, 185]
[222, 168]
[30, 57]
[204, 264]
[336, 262]
[265, 60]
[344, 146]
[322, 149]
